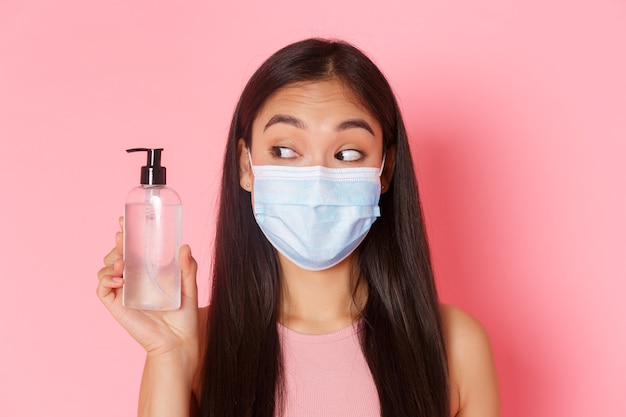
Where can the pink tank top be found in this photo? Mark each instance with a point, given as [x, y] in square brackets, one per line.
[327, 375]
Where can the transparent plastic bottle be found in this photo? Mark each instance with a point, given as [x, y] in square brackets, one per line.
[152, 238]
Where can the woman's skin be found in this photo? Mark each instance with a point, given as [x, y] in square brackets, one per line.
[316, 123]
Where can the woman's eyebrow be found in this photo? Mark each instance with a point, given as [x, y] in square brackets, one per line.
[283, 118]
[294, 121]
[355, 123]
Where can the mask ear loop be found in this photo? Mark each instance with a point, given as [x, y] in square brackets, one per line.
[380, 172]
[250, 159]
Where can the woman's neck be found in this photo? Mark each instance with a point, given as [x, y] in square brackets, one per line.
[319, 302]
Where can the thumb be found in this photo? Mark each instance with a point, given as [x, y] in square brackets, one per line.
[188, 268]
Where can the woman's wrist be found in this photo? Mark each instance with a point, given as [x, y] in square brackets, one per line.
[182, 361]
[167, 384]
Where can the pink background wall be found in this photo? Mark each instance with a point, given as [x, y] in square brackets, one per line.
[517, 114]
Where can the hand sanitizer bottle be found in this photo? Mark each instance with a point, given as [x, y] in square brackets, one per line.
[152, 238]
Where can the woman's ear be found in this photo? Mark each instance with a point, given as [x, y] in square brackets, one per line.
[387, 175]
[245, 170]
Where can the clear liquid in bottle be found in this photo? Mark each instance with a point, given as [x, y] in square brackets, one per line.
[152, 239]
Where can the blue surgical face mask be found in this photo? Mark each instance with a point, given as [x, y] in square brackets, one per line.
[315, 216]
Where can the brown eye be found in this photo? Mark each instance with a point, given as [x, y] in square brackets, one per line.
[349, 155]
[283, 152]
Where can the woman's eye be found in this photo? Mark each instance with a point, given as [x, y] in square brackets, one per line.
[283, 152]
[349, 155]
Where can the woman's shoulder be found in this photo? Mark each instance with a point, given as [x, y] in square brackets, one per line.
[473, 379]
[461, 327]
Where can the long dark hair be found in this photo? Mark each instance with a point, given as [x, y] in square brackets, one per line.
[401, 335]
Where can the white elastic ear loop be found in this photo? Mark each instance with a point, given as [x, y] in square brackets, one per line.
[250, 158]
[382, 167]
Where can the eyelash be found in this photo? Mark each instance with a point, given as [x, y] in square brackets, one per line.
[277, 152]
[339, 156]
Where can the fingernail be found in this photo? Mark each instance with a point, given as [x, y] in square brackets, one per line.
[118, 280]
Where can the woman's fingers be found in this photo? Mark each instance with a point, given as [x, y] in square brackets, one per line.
[154, 330]
[118, 251]
[110, 277]
[112, 257]
[119, 237]
[188, 268]
[119, 243]
[110, 281]
[118, 268]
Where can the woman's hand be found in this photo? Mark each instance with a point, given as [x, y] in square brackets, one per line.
[161, 333]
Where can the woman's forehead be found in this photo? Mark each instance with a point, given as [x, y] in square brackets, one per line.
[315, 98]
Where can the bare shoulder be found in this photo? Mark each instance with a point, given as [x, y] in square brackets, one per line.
[473, 378]
[461, 328]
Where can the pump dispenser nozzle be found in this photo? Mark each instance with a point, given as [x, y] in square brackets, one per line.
[152, 173]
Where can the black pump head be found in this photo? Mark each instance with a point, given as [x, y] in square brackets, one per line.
[152, 173]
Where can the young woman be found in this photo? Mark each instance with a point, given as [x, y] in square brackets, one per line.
[323, 300]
